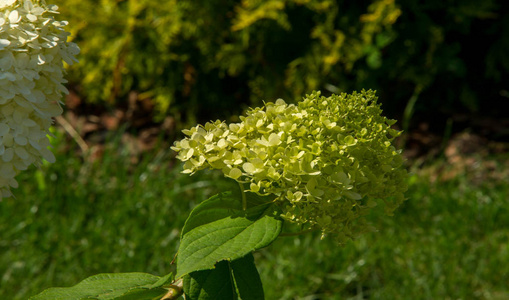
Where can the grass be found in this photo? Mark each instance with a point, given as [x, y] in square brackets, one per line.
[449, 241]
[73, 219]
[76, 218]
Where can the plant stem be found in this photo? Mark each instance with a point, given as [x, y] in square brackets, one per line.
[175, 290]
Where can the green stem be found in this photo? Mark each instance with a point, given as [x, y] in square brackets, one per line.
[408, 113]
[175, 290]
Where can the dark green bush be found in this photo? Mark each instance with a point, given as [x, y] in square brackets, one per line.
[201, 60]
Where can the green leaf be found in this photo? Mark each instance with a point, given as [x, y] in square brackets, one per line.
[220, 206]
[141, 294]
[238, 279]
[210, 284]
[374, 59]
[124, 286]
[247, 279]
[219, 229]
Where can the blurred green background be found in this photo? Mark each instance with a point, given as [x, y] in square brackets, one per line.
[200, 60]
[115, 201]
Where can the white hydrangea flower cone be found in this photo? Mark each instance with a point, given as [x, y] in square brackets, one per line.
[325, 159]
[33, 46]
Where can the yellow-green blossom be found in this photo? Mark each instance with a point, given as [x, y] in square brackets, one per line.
[33, 46]
[325, 159]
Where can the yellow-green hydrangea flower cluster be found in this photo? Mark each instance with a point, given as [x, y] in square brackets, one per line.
[33, 46]
[325, 159]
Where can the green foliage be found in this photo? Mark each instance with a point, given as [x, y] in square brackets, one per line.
[228, 280]
[207, 59]
[74, 218]
[121, 286]
[71, 217]
[220, 229]
[211, 284]
[214, 256]
[247, 280]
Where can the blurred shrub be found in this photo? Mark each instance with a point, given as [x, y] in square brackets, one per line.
[200, 60]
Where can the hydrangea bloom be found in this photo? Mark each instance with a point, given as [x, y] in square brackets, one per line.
[32, 47]
[325, 159]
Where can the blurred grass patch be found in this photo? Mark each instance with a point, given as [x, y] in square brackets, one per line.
[448, 241]
[78, 217]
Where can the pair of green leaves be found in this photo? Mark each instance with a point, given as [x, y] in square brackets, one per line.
[215, 256]
[220, 233]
